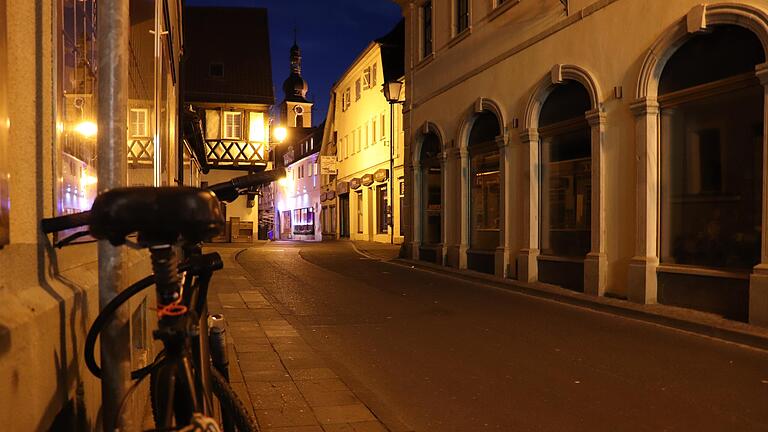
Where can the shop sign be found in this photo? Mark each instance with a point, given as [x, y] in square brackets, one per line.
[342, 187]
[367, 180]
[322, 196]
[381, 175]
[354, 183]
[328, 165]
[330, 195]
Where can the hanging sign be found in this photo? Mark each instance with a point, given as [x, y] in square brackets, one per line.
[367, 180]
[354, 183]
[381, 175]
[328, 165]
[342, 187]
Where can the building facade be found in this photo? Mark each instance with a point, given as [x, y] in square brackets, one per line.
[614, 147]
[297, 196]
[230, 86]
[363, 197]
[48, 166]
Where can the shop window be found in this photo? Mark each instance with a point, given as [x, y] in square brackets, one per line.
[431, 197]
[485, 191]
[359, 212]
[304, 221]
[77, 106]
[382, 212]
[566, 174]
[401, 187]
[5, 205]
[711, 152]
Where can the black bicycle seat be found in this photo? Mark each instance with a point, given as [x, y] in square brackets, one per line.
[160, 215]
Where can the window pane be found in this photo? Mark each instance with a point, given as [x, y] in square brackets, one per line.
[77, 106]
[381, 206]
[711, 180]
[485, 200]
[566, 193]
[257, 130]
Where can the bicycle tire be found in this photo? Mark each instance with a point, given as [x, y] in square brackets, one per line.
[226, 395]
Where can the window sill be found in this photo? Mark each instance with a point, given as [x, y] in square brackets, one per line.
[563, 259]
[424, 61]
[499, 10]
[702, 271]
[460, 37]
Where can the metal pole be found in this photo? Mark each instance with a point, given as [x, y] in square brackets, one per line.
[392, 173]
[112, 33]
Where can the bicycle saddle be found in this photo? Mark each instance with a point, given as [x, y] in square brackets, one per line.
[160, 215]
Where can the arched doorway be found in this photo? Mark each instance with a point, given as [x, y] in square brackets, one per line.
[485, 200]
[431, 190]
[711, 172]
[565, 152]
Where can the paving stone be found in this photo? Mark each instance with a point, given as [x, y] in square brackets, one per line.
[249, 365]
[321, 385]
[312, 374]
[314, 428]
[259, 356]
[333, 398]
[266, 375]
[253, 347]
[344, 414]
[369, 426]
[273, 333]
[283, 417]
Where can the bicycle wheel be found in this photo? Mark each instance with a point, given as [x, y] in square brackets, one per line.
[229, 401]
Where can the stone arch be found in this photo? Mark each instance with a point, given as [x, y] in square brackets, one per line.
[698, 19]
[558, 74]
[427, 128]
[642, 280]
[595, 263]
[480, 105]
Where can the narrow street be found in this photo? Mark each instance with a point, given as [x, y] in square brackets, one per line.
[428, 352]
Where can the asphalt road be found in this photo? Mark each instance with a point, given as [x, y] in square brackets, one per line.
[429, 352]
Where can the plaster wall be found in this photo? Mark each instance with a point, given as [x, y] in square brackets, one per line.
[502, 57]
[239, 207]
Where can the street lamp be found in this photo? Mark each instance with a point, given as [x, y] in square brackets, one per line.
[392, 91]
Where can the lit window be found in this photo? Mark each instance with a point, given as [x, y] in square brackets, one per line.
[232, 124]
[357, 89]
[138, 122]
[256, 129]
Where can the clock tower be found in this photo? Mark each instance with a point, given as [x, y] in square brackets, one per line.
[296, 110]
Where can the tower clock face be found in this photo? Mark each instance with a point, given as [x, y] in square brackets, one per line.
[298, 109]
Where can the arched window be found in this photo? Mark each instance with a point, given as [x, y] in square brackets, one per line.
[485, 192]
[566, 185]
[711, 128]
[431, 190]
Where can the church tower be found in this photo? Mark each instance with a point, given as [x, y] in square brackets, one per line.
[296, 110]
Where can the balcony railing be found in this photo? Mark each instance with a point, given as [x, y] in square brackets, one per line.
[141, 152]
[229, 153]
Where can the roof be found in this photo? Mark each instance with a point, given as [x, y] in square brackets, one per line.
[236, 42]
[393, 52]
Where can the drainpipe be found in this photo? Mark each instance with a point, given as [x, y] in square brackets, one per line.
[112, 33]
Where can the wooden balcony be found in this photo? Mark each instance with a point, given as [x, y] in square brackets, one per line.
[231, 154]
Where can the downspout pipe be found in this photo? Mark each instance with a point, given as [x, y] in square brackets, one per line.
[112, 94]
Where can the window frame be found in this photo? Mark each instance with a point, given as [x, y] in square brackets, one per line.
[224, 130]
[145, 123]
[457, 18]
[426, 33]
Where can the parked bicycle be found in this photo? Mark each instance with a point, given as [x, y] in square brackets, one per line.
[192, 366]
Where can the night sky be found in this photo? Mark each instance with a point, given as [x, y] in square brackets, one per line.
[331, 33]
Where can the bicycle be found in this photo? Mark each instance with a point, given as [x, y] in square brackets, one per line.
[192, 366]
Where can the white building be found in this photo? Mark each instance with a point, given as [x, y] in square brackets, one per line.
[614, 147]
[357, 200]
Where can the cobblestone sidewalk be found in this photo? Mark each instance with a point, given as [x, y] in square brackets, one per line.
[273, 369]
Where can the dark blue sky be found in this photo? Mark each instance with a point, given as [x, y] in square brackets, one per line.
[331, 33]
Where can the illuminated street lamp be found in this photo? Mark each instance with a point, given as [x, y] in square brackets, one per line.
[280, 133]
[392, 91]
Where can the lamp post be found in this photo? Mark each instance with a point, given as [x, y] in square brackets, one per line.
[392, 91]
